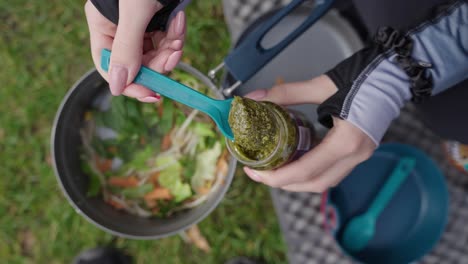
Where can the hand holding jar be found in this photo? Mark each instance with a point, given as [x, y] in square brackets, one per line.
[344, 147]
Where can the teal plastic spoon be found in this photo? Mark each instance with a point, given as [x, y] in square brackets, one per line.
[218, 110]
[361, 228]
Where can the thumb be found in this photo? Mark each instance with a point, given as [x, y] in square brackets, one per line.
[313, 91]
[127, 47]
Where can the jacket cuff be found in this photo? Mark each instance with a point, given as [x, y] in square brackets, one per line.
[110, 10]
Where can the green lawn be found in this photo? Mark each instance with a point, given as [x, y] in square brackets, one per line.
[43, 51]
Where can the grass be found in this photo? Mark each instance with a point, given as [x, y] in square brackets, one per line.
[43, 51]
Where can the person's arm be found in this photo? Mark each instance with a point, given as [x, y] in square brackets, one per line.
[361, 96]
[375, 83]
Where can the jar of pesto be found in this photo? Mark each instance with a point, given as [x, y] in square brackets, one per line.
[266, 135]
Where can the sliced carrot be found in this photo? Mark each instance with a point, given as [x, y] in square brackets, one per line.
[158, 194]
[103, 165]
[166, 142]
[115, 204]
[222, 165]
[125, 182]
[154, 178]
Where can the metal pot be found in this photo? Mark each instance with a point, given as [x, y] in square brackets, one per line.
[66, 144]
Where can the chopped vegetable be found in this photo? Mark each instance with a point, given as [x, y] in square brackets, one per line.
[206, 167]
[138, 191]
[170, 178]
[158, 194]
[125, 182]
[151, 159]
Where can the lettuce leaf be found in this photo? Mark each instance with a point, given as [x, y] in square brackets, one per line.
[203, 129]
[137, 192]
[206, 166]
[140, 159]
[171, 178]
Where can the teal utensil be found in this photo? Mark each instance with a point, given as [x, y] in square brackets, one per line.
[218, 110]
[361, 228]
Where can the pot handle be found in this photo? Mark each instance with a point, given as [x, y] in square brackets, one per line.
[249, 57]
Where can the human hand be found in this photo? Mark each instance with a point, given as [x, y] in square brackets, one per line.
[344, 146]
[131, 46]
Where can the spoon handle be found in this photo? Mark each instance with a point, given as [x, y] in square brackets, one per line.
[167, 87]
[399, 174]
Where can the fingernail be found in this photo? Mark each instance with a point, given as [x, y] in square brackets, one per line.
[118, 79]
[172, 61]
[254, 175]
[257, 95]
[150, 99]
[180, 23]
[176, 44]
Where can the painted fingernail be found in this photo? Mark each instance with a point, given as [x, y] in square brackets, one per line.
[254, 175]
[257, 95]
[176, 44]
[180, 23]
[172, 61]
[150, 99]
[118, 79]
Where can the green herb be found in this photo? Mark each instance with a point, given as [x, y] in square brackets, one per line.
[94, 184]
[203, 130]
[167, 120]
[189, 164]
[137, 192]
[141, 159]
[170, 178]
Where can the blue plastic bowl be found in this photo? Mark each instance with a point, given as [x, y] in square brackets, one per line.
[414, 220]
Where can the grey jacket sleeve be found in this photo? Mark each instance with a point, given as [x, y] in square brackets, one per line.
[376, 82]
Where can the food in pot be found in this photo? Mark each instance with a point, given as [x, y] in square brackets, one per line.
[152, 159]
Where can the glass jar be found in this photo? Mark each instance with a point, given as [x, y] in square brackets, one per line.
[295, 138]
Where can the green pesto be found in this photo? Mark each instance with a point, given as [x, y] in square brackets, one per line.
[255, 130]
[263, 132]
[288, 139]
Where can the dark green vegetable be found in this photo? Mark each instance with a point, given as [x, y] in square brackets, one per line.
[94, 185]
[254, 127]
